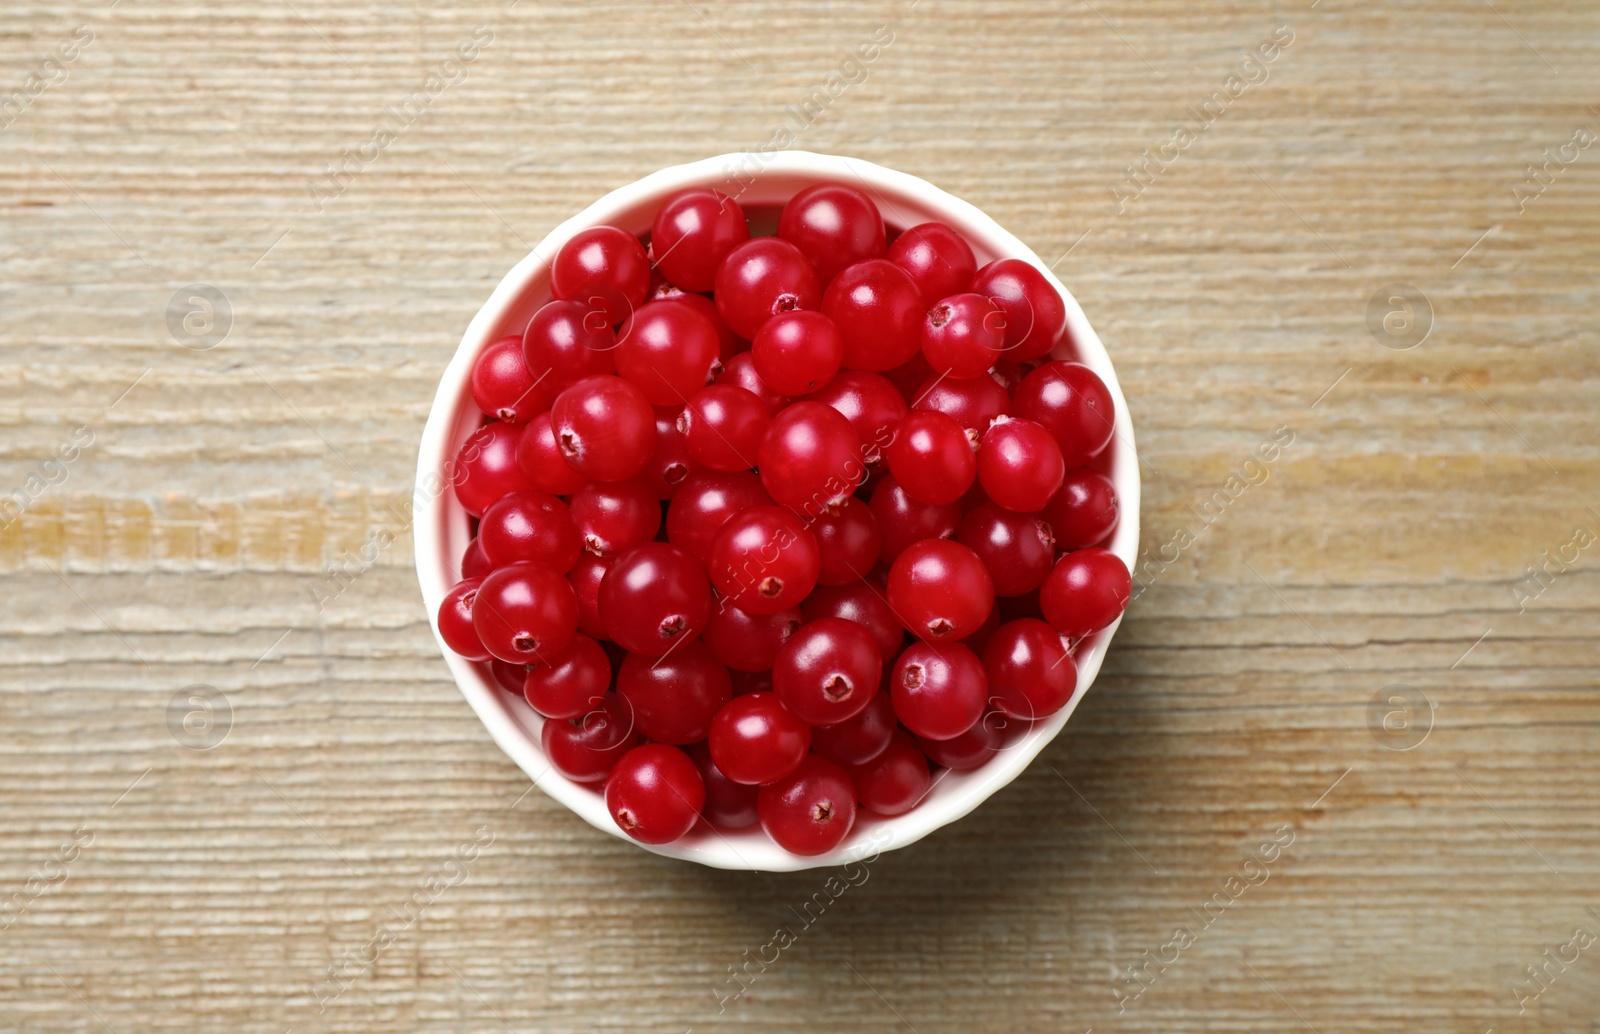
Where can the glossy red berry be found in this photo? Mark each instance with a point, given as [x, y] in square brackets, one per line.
[540, 461]
[704, 502]
[508, 676]
[655, 793]
[938, 259]
[909, 377]
[529, 526]
[864, 603]
[896, 780]
[474, 564]
[503, 387]
[604, 428]
[860, 739]
[878, 310]
[723, 427]
[1083, 511]
[455, 621]
[585, 748]
[693, 232]
[669, 351]
[574, 681]
[963, 335]
[763, 560]
[973, 748]
[1071, 402]
[939, 689]
[834, 226]
[810, 811]
[602, 257]
[525, 613]
[1087, 590]
[613, 517]
[1031, 675]
[750, 681]
[761, 278]
[1018, 548]
[740, 371]
[828, 671]
[754, 739]
[729, 805]
[847, 542]
[931, 458]
[670, 464]
[940, 590]
[973, 403]
[566, 342]
[585, 578]
[745, 641]
[1019, 464]
[810, 458]
[486, 466]
[903, 520]
[729, 344]
[797, 352]
[653, 598]
[1035, 315]
[870, 402]
[674, 697]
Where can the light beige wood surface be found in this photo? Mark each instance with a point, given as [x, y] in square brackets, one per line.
[1389, 544]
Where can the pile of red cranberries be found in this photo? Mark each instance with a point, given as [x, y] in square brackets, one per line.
[768, 528]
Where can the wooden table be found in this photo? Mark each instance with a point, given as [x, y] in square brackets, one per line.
[1233, 225]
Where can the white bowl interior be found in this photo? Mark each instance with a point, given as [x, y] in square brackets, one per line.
[441, 526]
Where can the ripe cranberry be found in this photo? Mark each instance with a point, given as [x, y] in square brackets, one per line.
[931, 459]
[962, 336]
[1018, 548]
[728, 343]
[502, 386]
[940, 590]
[585, 578]
[669, 351]
[862, 738]
[763, 560]
[1083, 511]
[574, 681]
[1019, 464]
[902, 520]
[1087, 590]
[585, 748]
[939, 690]
[896, 780]
[973, 403]
[810, 458]
[541, 463]
[1073, 404]
[740, 371]
[979, 639]
[525, 613]
[834, 226]
[828, 671]
[729, 805]
[972, 748]
[810, 811]
[847, 542]
[1031, 675]
[602, 257]
[909, 377]
[529, 526]
[745, 641]
[938, 259]
[604, 428]
[754, 739]
[612, 518]
[693, 232]
[654, 597]
[566, 342]
[455, 620]
[1036, 316]
[655, 793]
[878, 309]
[670, 464]
[508, 676]
[723, 427]
[704, 502]
[796, 352]
[474, 564]
[674, 697]
[750, 681]
[761, 278]
[864, 603]
[486, 467]
[872, 405]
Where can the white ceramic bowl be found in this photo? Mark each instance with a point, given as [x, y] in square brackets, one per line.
[441, 526]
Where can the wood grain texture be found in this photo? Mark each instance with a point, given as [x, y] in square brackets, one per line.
[209, 890]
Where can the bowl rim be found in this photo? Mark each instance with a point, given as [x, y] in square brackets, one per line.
[439, 444]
